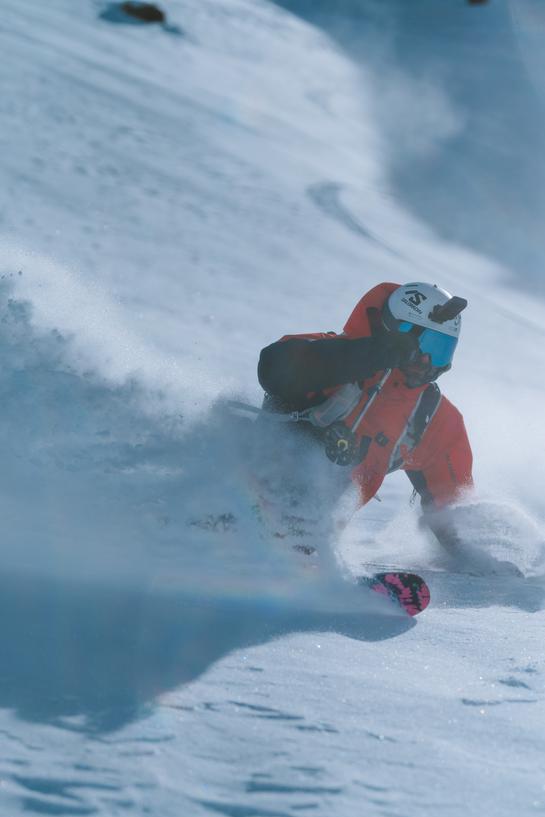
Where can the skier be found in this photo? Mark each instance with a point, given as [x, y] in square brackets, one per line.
[369, 394]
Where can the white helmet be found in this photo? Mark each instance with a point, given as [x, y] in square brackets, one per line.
[431, 316]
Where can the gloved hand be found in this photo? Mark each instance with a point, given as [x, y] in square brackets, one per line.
[396, 348]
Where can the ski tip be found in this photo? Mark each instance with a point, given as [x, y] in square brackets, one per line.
[408, 590]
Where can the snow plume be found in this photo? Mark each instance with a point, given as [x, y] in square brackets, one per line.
[104, 336]
[490, 537]
[108, 476]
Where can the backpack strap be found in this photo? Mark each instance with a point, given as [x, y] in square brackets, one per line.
[422, 415]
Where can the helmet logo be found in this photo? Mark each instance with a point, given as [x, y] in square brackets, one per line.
[415, 300]
[417, 297]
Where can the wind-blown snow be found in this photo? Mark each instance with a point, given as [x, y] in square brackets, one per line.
[173, 199]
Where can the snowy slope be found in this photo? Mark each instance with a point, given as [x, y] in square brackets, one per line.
[172, 200]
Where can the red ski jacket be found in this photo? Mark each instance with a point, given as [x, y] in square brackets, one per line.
[439, 465]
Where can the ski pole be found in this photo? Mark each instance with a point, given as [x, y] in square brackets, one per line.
[376, 391]
[291, 417]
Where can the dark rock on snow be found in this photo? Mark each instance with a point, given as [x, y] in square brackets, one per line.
[148, 12]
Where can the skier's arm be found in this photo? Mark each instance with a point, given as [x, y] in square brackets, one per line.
[290, 369]
[447, 477]
[445, 473]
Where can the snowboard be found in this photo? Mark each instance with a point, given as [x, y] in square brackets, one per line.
[407, 590]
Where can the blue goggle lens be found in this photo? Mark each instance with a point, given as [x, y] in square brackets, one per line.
[437, 345]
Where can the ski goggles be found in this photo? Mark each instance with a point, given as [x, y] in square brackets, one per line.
[437, 345]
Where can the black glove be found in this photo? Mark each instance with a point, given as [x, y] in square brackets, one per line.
[397, 348]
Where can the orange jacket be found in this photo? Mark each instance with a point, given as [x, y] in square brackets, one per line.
[439, 467]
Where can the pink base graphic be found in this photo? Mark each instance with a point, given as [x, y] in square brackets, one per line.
[407, 589]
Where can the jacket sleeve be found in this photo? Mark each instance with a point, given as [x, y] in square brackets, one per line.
[291, 369]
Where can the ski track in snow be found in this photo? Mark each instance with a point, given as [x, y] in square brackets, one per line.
[165, 650]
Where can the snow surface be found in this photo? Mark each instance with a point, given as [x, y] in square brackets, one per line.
[173, 199]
